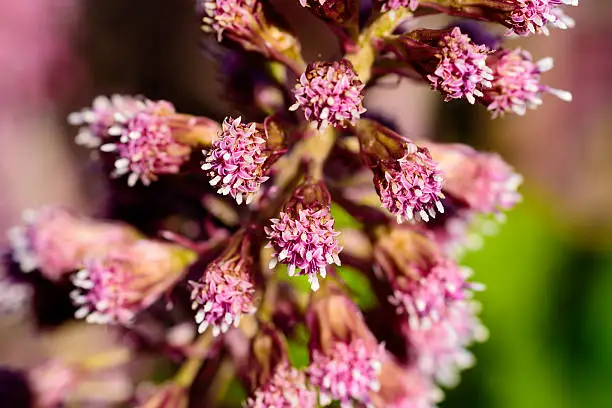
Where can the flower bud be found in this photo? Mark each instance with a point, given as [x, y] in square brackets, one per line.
[303, 237]
[447, 59]
[339, 14]
[56, 241]
[441, 350]
[482, 182]
[516, 83]
[245, 22]
[144, 138]
[274, 381]
[346, 359]
[423, 281]
[226, 291]
[240, 159]
[114, 287]
[330, 94]
[407, 180]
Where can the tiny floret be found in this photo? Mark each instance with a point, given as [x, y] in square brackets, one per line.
[330, 94]
[462, 71]
[236, 162]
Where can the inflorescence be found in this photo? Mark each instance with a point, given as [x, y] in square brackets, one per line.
[263, 263]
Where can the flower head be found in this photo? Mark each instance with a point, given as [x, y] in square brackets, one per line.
[330, 94]
[462, 70]
[407, 180]
[348, 372]
[423, 281]
[441, 350]
[239, 160]
[516, 83]
[387, 5]
[143, 138]
[115, 287]
[225, 292]
[345, 357]
[303, 237]
[233, 16]
[286, 389]
[533, 16]
[56, 241]
[482, 182]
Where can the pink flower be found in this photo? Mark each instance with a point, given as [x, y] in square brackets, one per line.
[330, 94]
[56, 241]
[303, 237]
[516, 83]
[139, 132]
[410, 186]
[225, 292]
[441, 350]
[533, 16]
[286, 389]
[238, 160]
[348, 372]
[115, 287]
[483, 182]
[462, 71]
[423, 282]
[397, 4]
[234, 16]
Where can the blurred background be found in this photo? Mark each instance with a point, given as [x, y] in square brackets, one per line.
[548, 270]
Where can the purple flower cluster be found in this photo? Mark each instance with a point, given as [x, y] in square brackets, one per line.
[223, 295]
[310, 183]
[533, 16]
[286, 389]
[410, 187]
[236, 160]
[347, 373]
[306, 242]
[462, 71]
[516, 83]
[330, 94]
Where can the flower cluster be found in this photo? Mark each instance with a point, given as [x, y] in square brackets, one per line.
[462, 70]
[516, 83]
[349, 372]
[237, 160]
[330, 94]
[533, 16]
[286, 389]
[143, 138]
[303, 237]
[225, 292]
[324, 188]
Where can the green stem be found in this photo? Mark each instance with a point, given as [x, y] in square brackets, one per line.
[188, 371]
[382, 26]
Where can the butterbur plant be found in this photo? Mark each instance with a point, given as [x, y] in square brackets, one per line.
[241, 248]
